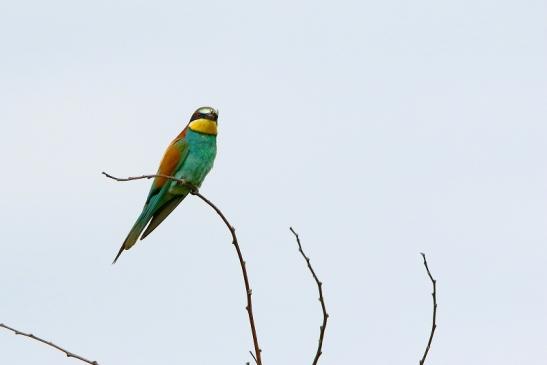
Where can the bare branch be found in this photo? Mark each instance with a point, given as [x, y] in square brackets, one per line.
[434, 325]
[51, 344]
[131, 178]
[321, 299]
[232, 230]
[243, 264]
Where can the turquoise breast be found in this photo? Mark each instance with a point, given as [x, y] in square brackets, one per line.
[202, 149]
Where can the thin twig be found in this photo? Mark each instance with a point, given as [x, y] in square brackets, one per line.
[321, 299]
[130, 178]
[51, 344]
[249, 292]
[243, 264]
[434, 324]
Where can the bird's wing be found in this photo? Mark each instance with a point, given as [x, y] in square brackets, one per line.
[158, 196]
[172, 159]
[162, 213]
[160, 203]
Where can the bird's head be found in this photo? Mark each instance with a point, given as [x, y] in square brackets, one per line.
[204, 120]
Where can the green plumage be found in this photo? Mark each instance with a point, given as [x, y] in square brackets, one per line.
[192, 157]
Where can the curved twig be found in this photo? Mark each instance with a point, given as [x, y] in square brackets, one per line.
[321, 299]
[249, 307]
[194, 191]
[434, 325]
[51, 344]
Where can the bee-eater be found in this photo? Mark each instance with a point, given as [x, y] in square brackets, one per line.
[190, 157]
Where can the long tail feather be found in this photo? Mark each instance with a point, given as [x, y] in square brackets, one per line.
[118, 255]
[135, 232]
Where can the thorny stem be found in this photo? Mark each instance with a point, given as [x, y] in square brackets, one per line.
[321, 299]
[434, 324]
[51, 344]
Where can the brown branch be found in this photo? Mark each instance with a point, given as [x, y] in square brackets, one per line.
[249, 292]
[51, 344]
[321, 299]
[130, 178]
[243, 264]
[434, 325]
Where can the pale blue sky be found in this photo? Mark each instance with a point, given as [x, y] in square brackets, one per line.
[377, 129]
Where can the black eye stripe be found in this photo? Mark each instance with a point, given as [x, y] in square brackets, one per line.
[198, 115]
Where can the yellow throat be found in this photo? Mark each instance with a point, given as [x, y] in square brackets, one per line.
[204, 126]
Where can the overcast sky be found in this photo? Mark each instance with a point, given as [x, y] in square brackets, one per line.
[378, 129]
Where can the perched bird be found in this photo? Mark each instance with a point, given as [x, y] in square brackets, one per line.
[190, 157]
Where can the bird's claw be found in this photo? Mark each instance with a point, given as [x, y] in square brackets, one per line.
[193, 189]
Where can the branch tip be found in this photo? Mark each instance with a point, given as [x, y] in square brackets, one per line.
[434, 324]
[50, 344]
[323, 326]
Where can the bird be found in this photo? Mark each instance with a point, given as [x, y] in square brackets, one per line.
[190, 156]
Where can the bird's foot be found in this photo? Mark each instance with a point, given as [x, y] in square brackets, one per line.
[193, 189]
